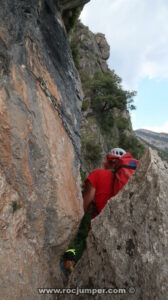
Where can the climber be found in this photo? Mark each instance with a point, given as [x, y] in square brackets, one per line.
[67, 262]
[100, 186]
[124, 168]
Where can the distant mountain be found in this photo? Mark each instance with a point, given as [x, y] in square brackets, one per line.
[156, 140]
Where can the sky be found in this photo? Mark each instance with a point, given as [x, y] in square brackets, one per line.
[137, 32]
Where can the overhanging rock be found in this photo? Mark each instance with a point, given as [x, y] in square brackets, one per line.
[66, 4]
[128, 244]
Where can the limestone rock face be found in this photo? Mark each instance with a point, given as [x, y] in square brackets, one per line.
[128, 243]
[103, 45]
[92, 52]
[40, 103]
[66, 4]
[94, 49]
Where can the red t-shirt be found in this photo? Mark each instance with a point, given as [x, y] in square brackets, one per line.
[102, 181]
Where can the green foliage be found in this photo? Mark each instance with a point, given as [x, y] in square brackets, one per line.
[75, 53]
[86, 80]
[93, 152]
[83, 175]
[122, 124]
[132, 145]
[106, 121]
[15, 206]
[70, 18]
[106, 93]
[130, 104]
[85, 105]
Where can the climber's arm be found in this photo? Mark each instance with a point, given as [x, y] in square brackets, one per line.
[88, 195]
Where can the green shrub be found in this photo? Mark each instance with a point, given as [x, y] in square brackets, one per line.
[75, 53]
[85, 79]
[93, 152]
[83, 175]
[85, 105]
[106, 93]
[107, 90]
[106, 122]
[130, 105]
[132, 145]
[122, 124]
[70, 18]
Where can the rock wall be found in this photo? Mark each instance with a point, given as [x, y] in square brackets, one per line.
[93, 52]
[66, 4]
[128, 244]
[40, 103]
[93, 49]
[91, 55]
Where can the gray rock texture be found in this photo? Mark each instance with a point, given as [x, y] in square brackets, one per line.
[103, 45]
[40, 103]
[128, 243]
[93, 49]
[66, 4]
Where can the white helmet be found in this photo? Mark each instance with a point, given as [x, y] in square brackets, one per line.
[117, 152]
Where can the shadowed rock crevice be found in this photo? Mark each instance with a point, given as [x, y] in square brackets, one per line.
[4, 59]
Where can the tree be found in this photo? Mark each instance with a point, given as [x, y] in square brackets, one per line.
[107, 92]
